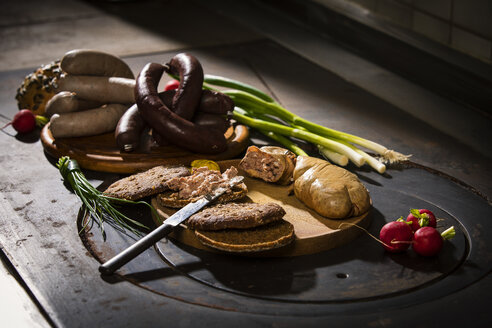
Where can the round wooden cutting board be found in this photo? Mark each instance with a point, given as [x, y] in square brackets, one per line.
[314, 233]
[100, 153]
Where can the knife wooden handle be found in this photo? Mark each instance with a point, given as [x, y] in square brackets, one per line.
[133, 251]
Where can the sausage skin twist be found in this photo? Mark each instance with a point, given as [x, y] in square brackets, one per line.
[188, 94]
[129, 129]
[168, 124]
[131, 125]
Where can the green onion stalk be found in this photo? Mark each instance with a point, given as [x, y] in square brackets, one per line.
[236, 85]
[262, 106]
[99, 206]
[333, 156]
[300, 134]
[284, 141]
[328, 154]
[256, 109]
[332, 149]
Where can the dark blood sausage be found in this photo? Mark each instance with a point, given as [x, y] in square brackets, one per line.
[168, 124]
[215, 120]
[159, 139]
[212, 121]
[212, 102]
[215, 102]
[167, 98]
[189, 92]
[131, 125]
[129, 129]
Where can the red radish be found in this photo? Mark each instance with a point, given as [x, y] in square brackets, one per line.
[427, 241]
[171, 85]
[421, 218]
[396, 236]
[25, 121]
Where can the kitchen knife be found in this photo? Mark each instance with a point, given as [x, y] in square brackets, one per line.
[163, 230]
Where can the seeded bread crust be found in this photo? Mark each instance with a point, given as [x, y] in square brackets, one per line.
[171, 199]
[262, 238]
[150, 182]
[235, 216]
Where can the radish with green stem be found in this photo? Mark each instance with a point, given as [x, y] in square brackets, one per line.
[396, 236]
[427, 241]
[421, 218]
[26, 121]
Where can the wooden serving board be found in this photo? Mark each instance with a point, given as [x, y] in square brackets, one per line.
[100, 153]
[314, 233]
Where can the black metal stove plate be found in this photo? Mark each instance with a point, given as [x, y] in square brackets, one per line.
[357, 278]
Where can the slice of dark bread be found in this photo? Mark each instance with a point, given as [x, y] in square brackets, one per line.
[150, 182]
[262, 238]
[171, 199]
[236, 216]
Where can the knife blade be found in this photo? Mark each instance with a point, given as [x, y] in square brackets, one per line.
[163, 230]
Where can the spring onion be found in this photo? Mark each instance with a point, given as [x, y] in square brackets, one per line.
[284, 141]
[96, 204]
[256, 109]
[333, 156]
[229, 83]
[244, 99]
[300, 134]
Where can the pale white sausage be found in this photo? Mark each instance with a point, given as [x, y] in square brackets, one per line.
[87, 123]
[68, 102]
[106, 90]
[94, 62]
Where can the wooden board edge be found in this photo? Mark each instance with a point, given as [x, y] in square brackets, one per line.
[298, 247]
[119, 164]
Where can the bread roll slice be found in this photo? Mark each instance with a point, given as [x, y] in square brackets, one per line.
[235, 216]
[266, 237]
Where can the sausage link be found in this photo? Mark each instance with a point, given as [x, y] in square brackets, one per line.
[212, 102]
[159, 139]
[131, 125]
[129, 129]
[215, 102]
[167, 98]
[168, 124]
[212, 121]
[189, 92]
[106, 90]
[87, 123]
[94, 62]
[68, 102]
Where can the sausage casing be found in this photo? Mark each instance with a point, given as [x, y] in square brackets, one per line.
[129, 129]
[168, 124]
[87, 123]
[189, 92]
[215, 102]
